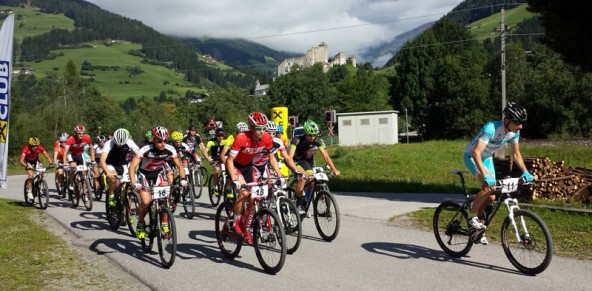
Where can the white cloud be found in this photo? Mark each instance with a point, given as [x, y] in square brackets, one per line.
[287, 25]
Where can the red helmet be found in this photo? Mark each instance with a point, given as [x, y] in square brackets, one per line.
[79, 129]
[160, 132]
[257, 119]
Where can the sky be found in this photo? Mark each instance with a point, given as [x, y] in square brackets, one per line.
[347, 26]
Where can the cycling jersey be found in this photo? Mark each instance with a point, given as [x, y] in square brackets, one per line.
[98, 150]
[181, 149]
[59, 148]
[304, 149]
[31, 155]
[494, 136]
[245, 150]
[216, 147]
[76, 147]
[119, 155]
[263, 158]
[153, 160]
[192, 141]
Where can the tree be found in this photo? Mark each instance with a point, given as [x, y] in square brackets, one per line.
[567, 28]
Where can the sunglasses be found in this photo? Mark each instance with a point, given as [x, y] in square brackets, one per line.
[259, 128]
[158, 140]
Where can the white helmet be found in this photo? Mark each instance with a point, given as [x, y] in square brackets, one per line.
[64, 137]
[271, 127]
[120, 136]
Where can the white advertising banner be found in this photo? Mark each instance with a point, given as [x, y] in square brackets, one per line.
[5, 74]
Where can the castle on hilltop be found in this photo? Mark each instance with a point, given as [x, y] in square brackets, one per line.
[315, 55]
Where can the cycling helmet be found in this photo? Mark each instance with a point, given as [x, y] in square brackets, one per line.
[242, 127]
[311, 128]
[177, 136]
[149, 134]
[515, 112]
[64, 136]
[192, 127]
[79, 129]
[280, 129]
[33, 141]
[101, 138]
[271, 127]
[120, 136]
[220, 131]
[160, 132]
[257, 119]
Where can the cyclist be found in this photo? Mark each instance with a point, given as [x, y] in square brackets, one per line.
[147, 139]
[98, 147]
[30, 160]
[280, 134]
[242, 127]
[478, 157]
[240, 163]
[302, 151]
[215, 147]
[58, 155]
[150, 163]
[73, 153]
[194, 141]
[116, 154]
[280, 149]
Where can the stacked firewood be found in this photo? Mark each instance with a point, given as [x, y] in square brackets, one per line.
[553, 180]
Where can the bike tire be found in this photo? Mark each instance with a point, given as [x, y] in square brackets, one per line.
[75, 197]
[326, 215]
[43, 194]
[64, 190]
[28, 202]
[100, 189]
[534, 254]
[112, 211]
[269, 240]
[188, 200]
[167, 242]
[292, 221]
[448, 222]
[57, 184]
[214, 199]
[229, 242]
[132, 205]
[86, 196]
[151, 230]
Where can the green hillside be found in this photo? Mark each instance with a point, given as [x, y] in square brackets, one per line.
[31, 22]
[485, 28]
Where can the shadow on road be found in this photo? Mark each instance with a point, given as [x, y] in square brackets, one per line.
[90, 225]
[129, 247]
[406, 197]
[409, 251]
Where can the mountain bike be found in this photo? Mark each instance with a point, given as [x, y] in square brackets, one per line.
[103, 186]
[197, 177]
[288, 214]
[215, 192]
[39, 188]
[156, 228]
[81, 188]
[324, 206]
[118, 214]
[185, 195]
[261, 225]
[526, 240]
[61, 184]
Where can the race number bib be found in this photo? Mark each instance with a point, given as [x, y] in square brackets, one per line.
[259, 191]
[81, 168]
[161, 192]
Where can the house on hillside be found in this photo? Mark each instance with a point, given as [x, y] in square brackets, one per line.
[261, 89]
[25, 71]
[198, 98]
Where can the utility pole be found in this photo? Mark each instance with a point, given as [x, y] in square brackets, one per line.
[501, 152]
[406, 126]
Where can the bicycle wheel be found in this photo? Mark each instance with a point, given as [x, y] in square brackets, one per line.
[188, 200]
[112, 211]
[151, 229]
[99, 189]
[326, 215]
[75, 197]
[533, 253]
[167, 237]
[43, 194]
[58, 184]
[64, 189]
[214, 199]
[269, 240]
[132, 204]
[202, 179]
[86, 196]
[28, 202]
[229, 241]
[292, 221]
[451, 229]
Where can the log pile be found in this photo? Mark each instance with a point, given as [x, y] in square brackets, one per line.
[553, 180]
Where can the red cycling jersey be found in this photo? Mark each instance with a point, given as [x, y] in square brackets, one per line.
[76, 147]
[32, 155]
[59, 148]
[245, 150]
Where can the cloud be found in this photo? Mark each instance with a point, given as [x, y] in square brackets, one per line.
[287, 25]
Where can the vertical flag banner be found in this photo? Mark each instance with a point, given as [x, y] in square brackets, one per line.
[5, 72]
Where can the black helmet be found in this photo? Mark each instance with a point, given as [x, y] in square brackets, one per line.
[220, 131]
[515, 112]
[192, 127]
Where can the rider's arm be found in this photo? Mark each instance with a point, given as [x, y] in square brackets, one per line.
[274, 164]
[223, 154]
[48, 158]
[289, 161]
[92, 153]
[65, 158]
[230, 168]
[180, 167]
[328, 160]
[518, 157]
[132, 169]
[22, 160]
[103, 164]
[204, 151]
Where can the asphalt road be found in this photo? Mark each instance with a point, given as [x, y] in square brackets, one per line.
[370, 253]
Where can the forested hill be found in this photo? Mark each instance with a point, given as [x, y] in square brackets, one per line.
[472, 10]
[95, 24]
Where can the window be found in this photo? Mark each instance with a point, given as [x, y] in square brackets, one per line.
[383, 120]
[347, 122]
[365, 121]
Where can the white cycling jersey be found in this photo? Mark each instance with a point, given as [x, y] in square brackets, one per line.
[494, 136]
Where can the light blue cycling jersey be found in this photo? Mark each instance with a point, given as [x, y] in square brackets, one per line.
[494, 136]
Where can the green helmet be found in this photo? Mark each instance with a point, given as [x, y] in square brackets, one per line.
[149, 134]
[311, 128]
